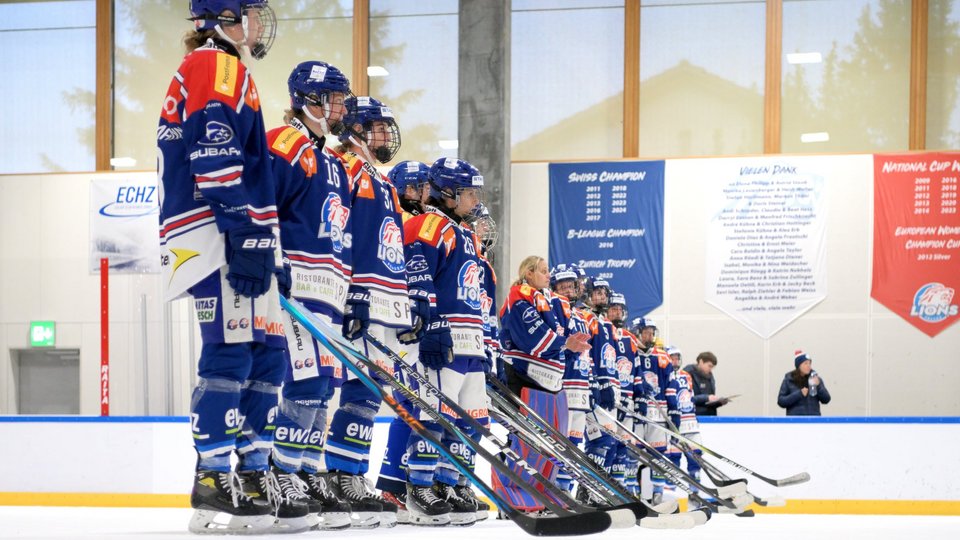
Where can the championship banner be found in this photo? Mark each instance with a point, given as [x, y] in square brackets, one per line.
[766, 250]
[608, 218]
[916, 238]
[124, 223]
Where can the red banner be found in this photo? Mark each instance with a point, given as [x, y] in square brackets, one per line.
[916, 238]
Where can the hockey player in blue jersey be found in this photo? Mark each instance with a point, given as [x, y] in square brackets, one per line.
[658, 373]
[683, 414]
[625, 465]
[313, 198]
[451, 352]
[600, 446]
[219, 244]
[377, 300]
[410, 179]
[535, 352]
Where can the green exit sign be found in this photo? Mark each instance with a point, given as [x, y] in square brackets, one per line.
[43, 333]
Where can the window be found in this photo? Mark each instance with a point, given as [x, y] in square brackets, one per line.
[417, 44]
[846, 77]
[943, 75]
[49, 74]
[701, 77]
[566, 78]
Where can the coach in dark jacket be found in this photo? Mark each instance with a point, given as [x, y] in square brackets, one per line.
[704, 385]
[802, 390]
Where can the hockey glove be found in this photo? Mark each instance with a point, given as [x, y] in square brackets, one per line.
[488, 356]
[436, 347]
[608, 397]
[356, 314]
[420, 313]
[284, 277]
[250, 259]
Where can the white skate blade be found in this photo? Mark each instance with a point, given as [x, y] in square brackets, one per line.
[622, 518]
[699, 517]
[668, 521]
[728, 492]
[333, 521]
[668, 506]
[483, 514]
[365, 520]
[388, 520]
[423, 520]
[403, 516]
[463, 519]
[215, 522]
[293, 525]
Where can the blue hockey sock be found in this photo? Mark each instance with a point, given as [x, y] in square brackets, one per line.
[393, 471]
[351, 431]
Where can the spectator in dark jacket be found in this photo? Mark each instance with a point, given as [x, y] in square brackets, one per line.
[704, 385]
[802, 390]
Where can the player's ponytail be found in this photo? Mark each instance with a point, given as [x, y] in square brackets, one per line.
[527, 265]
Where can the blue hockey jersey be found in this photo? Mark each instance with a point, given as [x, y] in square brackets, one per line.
[213, 165]
[530, 343]
[379, 264]
[657, 371]
[313, 199]
[578, 368]
[450, 257]
[680, 407]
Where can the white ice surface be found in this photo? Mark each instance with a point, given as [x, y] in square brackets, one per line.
[165, 523]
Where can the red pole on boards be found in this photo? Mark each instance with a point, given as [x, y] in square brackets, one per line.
[104, 337]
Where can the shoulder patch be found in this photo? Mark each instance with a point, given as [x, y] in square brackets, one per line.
[225, 78]
[286, 141]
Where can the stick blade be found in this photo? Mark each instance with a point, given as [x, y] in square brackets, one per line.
[793, 480]
[571, 525]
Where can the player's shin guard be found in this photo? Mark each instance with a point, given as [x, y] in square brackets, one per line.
[313, 454]
[619, 468]
[258, 405]
[351, 430]
[295, 423]
[215, 404]
[393, 471]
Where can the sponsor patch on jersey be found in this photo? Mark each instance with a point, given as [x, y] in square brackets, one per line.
[530, 316]
[932, 303]
[390, 250]
[232, 324]
[216, 133]
[285, 142]
[335, 216]
[206, 309]
[468, 284]
[417, 264]
[225, 80]
[429, 228]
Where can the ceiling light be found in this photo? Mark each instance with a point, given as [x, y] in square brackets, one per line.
[804, 58]
[377, 71]
[820, 136]
[123, 162]
[449, 144]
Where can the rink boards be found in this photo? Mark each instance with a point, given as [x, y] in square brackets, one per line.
[858, 465]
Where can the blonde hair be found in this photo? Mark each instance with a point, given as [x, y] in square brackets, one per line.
[527, 265]
[194, 39]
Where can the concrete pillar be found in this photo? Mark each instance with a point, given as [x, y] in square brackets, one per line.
[484, 110]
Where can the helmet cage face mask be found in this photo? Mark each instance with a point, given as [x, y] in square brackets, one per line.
[212, 15]
[370, 115]
[483, 225]
[386, 151]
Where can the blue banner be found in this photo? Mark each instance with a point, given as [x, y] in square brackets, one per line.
[608, 218]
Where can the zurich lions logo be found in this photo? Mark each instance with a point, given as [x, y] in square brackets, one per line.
[485, 304]
[652, 379]
[390, 250]
[335, 217]
[468, 284]
[217, 133]
[625, 370]
[932, 303]
[582, 364]
[609, 357]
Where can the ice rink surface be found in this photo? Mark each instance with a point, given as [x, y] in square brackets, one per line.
[164, 523]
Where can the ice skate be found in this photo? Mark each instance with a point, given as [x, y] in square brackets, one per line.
[282, 494]
[334, 513]
[351, 488]
[399, 499]
[467, 493]
[425, 508]
[221, 507]
[462, 512]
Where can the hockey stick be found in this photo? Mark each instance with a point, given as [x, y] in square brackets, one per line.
[590, 477]
[715, 474]
[568, 453]
[620, 517]
[660, 463]
[587, 523]
[798, 478]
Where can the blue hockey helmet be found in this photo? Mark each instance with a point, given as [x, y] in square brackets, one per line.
[617, 299]
[449, 175]
[408, 173]
[212, 14]
[562, 272]
[639, 323]
[312, 82]
[365, 111]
